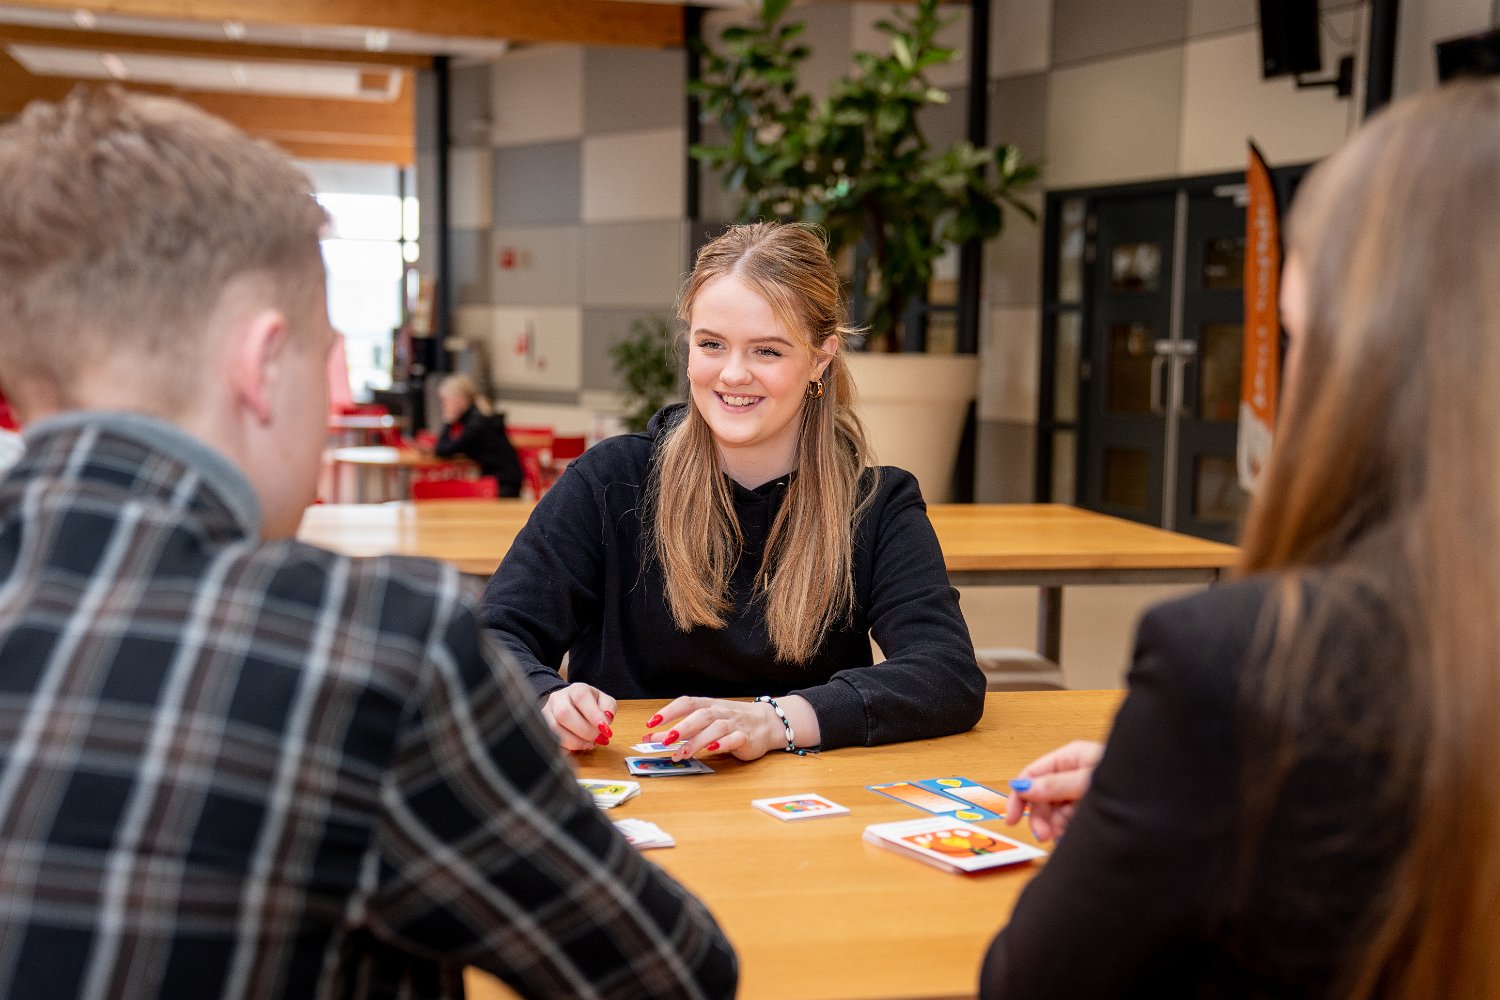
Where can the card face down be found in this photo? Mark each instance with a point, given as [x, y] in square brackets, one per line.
[807, 805]
[951, 845]
[658, 767]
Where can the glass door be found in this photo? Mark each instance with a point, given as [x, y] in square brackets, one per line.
[1163, 329]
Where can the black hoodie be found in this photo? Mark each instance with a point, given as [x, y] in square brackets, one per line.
[576, 581]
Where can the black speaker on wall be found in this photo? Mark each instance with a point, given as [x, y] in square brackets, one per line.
[1289, 37]
[1471, 55]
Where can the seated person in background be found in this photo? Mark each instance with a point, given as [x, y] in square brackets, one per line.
[232, 764]
[470, 429]
[1299, 797]
[741, 546]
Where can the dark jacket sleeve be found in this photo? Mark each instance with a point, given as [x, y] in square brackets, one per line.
[491, 855]
[929, 683]
[1118, 907]
[550, 580]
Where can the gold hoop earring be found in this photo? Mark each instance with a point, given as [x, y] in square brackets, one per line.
[815, 389]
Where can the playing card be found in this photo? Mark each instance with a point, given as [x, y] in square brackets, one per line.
[657, 767]
[929, 797]
[644, 834]
[656, 747]
[608, 794]
[807, 805]
[945, 843]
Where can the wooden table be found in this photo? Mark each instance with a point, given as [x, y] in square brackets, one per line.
[387, 461]
[813, 911]
[1048, 546]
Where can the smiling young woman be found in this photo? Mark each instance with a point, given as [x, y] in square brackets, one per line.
[743, 546]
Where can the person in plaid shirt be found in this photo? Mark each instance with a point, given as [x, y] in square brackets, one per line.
[233, 765]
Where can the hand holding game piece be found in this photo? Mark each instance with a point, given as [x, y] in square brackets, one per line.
[579, 715]
[748, 730]
[1052, 785]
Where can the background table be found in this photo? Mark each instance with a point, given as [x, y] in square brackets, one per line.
[813, 911]
[1044, 545]
[401, 462]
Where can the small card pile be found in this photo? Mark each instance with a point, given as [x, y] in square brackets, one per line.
[608, 794]
[949, 844]
[644, 834]
[807, 805]
[656, 747]
[658, 767]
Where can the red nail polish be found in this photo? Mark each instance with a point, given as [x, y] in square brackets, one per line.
[712, 747]
[670, 737]
[605, 730]
[609, 715]
[602, 741]
[655, 720]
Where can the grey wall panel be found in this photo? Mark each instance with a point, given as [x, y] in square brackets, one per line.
[602, 328]
[1004, 460]
[633, 89]
[538, 185]
[545, 266]
[469, 265]
[945, 124]
[632, 263]
[1088, 29]
[1018, 113]
[469, 105]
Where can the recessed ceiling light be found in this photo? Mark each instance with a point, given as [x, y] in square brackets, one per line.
[377, 40]
[235, 31]
[114, 65]
[85, 19]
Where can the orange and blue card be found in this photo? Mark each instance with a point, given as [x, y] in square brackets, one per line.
[806, 805]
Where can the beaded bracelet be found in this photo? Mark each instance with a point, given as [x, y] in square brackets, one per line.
[791, 743]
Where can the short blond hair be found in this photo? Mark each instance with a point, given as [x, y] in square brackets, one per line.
[123, 220]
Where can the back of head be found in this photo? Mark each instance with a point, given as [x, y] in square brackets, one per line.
[1385, 480]
[123, 219]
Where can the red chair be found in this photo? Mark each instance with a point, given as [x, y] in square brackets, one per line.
[564, 450]
[530, 444]
[485, 488]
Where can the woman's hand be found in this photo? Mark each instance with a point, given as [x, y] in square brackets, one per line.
[1052, 785]
[746, 729]
[579, 716]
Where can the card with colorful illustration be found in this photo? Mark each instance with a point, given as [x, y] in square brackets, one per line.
[656, 747]
[807, 805]
[608, 794]
[979, 797]
[658, 767]
[952, 846]
[930, 799]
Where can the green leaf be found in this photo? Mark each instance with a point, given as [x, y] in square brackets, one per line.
[901, 47]
[772, 10]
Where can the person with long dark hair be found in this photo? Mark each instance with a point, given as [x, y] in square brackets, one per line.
[1299, 797]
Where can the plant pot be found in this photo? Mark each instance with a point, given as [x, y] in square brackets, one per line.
[913, 407]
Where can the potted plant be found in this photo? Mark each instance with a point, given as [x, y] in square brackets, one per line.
[857, 162]
[647, 365]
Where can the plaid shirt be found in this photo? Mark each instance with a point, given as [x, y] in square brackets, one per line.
[231, 768]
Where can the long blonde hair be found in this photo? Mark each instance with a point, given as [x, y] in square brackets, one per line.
[806, 578]
[1385, 483]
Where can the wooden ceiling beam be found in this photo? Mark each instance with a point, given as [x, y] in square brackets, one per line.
[203, 48]
[589, 22]
[317, 128]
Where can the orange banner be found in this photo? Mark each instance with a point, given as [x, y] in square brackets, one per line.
[1261, 372]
